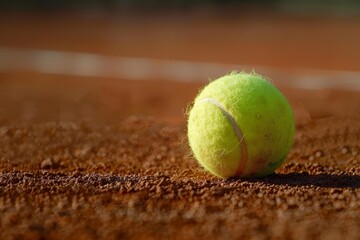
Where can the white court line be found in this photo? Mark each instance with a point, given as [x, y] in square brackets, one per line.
[94, 65]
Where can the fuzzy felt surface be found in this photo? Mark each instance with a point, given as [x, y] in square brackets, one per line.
[262, 114]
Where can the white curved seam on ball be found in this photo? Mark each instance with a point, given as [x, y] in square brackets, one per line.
[232, 121]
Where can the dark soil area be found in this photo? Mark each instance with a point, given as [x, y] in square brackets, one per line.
[136, 180]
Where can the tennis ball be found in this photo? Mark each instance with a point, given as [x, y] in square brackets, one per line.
[240, 125]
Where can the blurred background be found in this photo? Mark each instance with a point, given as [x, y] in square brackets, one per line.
[106, 60]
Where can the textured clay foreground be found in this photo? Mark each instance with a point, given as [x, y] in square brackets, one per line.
[137, 180]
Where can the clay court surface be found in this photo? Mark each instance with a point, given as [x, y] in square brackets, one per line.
[91, 157]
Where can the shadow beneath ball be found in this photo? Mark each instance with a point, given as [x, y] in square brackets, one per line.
[305, 179]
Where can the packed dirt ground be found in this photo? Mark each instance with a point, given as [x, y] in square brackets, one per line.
[92, 175]
[137, 180]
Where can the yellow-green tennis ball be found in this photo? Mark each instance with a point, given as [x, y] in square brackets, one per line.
[240, 126]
